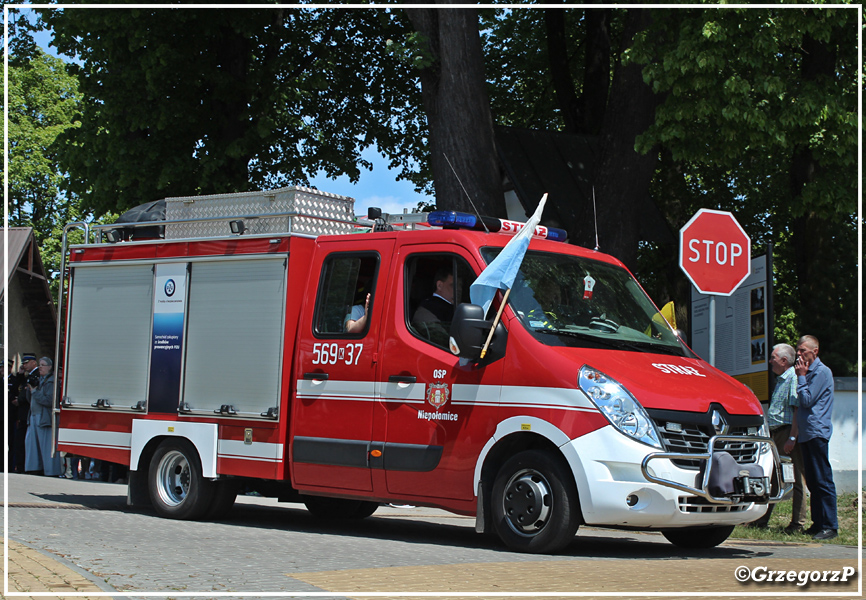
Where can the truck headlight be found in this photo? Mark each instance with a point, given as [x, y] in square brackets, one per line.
[616, 403]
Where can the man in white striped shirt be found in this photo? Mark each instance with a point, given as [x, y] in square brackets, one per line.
[782, 422]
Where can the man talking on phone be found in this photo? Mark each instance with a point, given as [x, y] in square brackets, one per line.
[815, 396]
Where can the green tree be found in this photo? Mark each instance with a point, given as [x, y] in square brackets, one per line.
[562, 69]
[200, 101]
[760, 119]
[748, 110]
[43, 99]
[43, 103]
[753, 111]
[462, 154]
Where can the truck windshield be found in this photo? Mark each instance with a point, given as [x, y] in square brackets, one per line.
[566, 300]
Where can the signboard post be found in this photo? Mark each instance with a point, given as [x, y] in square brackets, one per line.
[715, 254]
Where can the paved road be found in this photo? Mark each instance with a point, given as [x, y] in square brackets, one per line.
[268, 547]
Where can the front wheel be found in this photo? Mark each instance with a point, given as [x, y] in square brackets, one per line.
[176, 485]
[698, 537]
[534, 503]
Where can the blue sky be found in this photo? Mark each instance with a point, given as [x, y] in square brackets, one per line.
[377, 187]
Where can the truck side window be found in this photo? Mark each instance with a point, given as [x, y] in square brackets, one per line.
[346, 281]
[435, 283]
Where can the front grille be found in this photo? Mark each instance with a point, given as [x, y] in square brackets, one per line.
[693, 439]
[690, 432]
[695, 504]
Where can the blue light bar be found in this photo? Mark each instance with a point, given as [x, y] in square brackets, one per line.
[556, 234]
[452, 219]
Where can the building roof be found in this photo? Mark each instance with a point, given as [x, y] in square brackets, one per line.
[25, 263]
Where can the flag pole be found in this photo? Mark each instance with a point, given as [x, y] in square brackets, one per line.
[495, 322]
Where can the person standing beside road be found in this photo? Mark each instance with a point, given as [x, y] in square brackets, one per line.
[40, 442]
[29, 367]
[12, 401]
[815, 397]
[781, 419]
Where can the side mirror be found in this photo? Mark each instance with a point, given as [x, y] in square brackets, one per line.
[469, 331]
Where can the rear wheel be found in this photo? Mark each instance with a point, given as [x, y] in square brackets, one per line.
[534, 503]
[698, 537]
[176, 485]
[339, 508]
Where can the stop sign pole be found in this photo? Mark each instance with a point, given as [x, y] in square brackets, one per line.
[715, 254]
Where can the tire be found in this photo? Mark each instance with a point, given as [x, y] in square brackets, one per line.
[364, 510]
[225, 494]
[175, 482]
[534, 503]
[339, 508]
[698, 537]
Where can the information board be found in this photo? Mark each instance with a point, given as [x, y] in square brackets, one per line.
[743, 334]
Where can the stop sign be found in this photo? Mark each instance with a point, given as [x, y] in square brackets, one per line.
[715, 252]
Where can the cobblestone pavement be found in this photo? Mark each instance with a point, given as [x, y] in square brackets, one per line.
[98, 544]
[33, 571]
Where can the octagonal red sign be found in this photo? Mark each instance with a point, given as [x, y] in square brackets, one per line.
[715, 252]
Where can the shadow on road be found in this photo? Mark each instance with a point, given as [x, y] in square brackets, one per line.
[421, 529]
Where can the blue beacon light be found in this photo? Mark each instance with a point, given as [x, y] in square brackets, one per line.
[451, 219]
[556, 234]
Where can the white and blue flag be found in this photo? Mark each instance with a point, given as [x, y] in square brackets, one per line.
[500, 274]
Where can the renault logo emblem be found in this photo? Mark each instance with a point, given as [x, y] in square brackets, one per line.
[719, 424]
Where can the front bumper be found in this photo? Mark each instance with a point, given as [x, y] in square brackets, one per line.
[624, 483]
[705, 490]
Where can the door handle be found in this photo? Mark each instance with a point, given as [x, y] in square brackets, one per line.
[402, 379]
[315, 376]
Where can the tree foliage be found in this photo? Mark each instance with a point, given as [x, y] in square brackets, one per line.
[199, 101]
[748, 110]
[43, 99]
[578, 83]
[738, 97]
[756, 115]
[760, 118]
[462, 154]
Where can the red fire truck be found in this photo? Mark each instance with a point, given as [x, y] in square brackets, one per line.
[212, 357]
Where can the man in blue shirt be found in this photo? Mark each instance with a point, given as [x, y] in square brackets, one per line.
[781, 419]
[815, 396]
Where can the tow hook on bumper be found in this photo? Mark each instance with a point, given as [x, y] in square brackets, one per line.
[745, 486]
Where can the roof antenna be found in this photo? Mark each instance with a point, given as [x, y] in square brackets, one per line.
[595, 218]
[477, 214]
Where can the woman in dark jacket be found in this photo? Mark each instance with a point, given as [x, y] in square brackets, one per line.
[39, 440]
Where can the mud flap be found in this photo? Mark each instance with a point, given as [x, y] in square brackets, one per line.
[481, 524]
[136, 488]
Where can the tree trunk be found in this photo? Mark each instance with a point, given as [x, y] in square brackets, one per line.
[596, 72]
[623, 176]
[230, 107]
[812, 233]
[563, 84]
[458, 112]
[582, 114]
